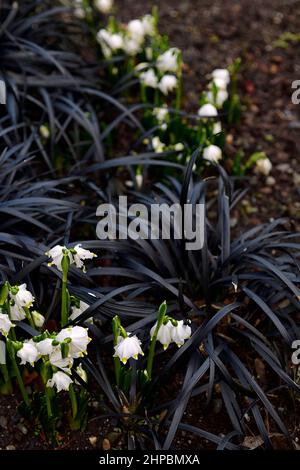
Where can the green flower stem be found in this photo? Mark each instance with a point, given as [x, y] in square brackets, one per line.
[6, 376]
[29, 317]
[116, 333]
[179, 87]
[161, 315]
[45, 369]
[73, 400]
[11, 333]
[11, 351]
[64, 293]
[48, 401]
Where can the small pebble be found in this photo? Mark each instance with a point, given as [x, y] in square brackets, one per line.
[93, 440]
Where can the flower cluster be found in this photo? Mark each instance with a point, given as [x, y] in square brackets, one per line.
[162, 74]
[81, 9]
[130, 39]
[170, 331]
[59, 350]
[76, 256]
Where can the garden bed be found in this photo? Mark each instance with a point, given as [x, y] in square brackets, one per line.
[143, 343]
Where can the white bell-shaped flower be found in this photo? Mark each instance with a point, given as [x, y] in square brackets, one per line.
[219, 99]
[56, 254]
[128, 347]
[17, 313]
[136, 30]
[180, 333]
[104, 6]
[38, 319]
[157, 144]
[131, 46]
[264, 166]
[161, 114]
[217, 127]
[207, 110]
[5, 324]
[80, 255]
[23, 297]
[57, 360]
[148, 25]
[168, 61]
[212, 153]
[221, 74]
[164, 335]
[149, 78]
[220, 83]
[28, 353]
[45, 347]
[79, 340]
[167, 84]
[60, 380]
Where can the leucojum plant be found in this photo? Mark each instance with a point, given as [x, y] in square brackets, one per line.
[53, 354]
[144, 59]
[57, 356]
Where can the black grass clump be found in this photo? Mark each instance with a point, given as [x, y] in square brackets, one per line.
[242, 295]
[55, 97]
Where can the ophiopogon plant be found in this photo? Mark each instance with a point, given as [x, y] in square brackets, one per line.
[54, 96]
[242, 295]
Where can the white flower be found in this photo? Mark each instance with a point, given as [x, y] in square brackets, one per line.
[28, 353]
[136, 30]
[219, 83]
[60, 380]
[45, 347]
[76, 311]
[131, 46]
[180, 333]
[148, 25]
[116, 41]
[58, 360]
[17, 313]
[212, 153]
[157, 145]
[207, 110]
[222, 74]
[38, 319]
[5, 324]
[80, 254]
[104, 6]
[109, 42]
[164, 335]
[81, 372]
[264, 166]
[217, 127]
[168, 83]
[179, 146]
[149, 78]
[23, 298]
[79, 340]
[168, 61]
[128, 347]
[220, 98]
[57, 253]
[161, 113]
